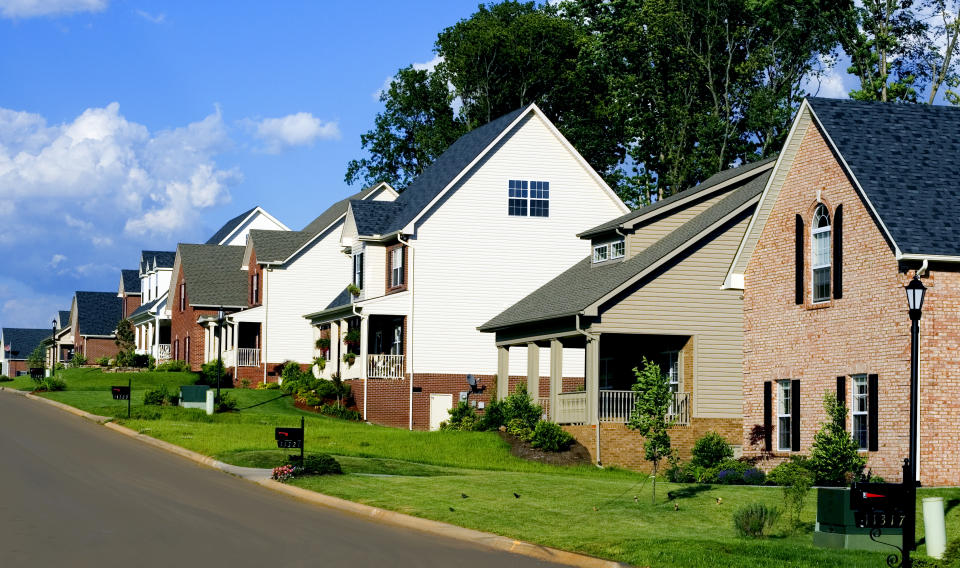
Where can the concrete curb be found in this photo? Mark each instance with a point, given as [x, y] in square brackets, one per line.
[261, 477]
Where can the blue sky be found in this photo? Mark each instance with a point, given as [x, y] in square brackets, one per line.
[129, 125]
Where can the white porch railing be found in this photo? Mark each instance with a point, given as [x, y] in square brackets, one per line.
[163, 351]
[230, 358]
[544, 403]
[617, 406]
[385, 367]
[572, 408]
[248, 357]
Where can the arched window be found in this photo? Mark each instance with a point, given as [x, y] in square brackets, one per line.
[820, 239]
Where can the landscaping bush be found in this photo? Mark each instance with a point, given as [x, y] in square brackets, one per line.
[796, 479]
[321, 464]
[224, 403]
[520, 406]
[59, 366]
[493, 416]
[338, 411]
[751, 521]
[834, 457]
[103, 361]
[710, 450]
[462, 418]
[754, 476]
[284, 473]
[140, 361]
[267, 386]
[786, 472]
[208, 374]
[5, 379]
[518, 428]
[78, 360]
[727, 472]
[157, 396]
[173, 366]
[550, 437]
[52, 384]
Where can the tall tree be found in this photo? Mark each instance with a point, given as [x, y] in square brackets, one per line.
[417, 124]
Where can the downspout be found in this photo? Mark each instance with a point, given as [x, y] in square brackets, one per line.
[588, 337]
[409, 325]
[363, 364]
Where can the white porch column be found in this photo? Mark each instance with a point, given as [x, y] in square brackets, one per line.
[334, 346]
[592, 371]
[206, 344]
[364, 329]
[556, 376]
[503, 371]
[533, 371]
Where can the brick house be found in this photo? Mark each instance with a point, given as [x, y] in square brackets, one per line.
[651, 288]
[93, 319]
[17, 345]
[205, 279]
[863, 197]
[497, 212]
[129, 291]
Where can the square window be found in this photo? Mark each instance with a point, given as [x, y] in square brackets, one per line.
[600, 253]
[617, 249]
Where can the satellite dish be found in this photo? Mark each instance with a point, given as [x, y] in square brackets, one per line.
[471, 381]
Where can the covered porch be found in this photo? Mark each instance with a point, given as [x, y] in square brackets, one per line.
[242, 339]
[151, 329]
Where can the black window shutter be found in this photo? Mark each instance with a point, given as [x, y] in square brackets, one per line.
[838, 253]
[873, 395]
[767, 416]
[795, 416]
[798, 246]
[842, 393]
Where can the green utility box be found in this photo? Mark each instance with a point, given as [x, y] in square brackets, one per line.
[836, 527]
[193, 396]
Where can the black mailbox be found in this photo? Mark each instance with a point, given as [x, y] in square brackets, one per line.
[120, 393]
[289, 437]
[879, 505]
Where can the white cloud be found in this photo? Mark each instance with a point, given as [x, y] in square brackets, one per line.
[152, 18]
[298, 129]
[36, 8]
[56, 260]
[426, 65]
[103, 172]
[832, 82]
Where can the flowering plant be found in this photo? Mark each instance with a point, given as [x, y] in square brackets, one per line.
[285, 473]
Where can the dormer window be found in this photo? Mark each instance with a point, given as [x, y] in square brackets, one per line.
[528, 198]
[608, 251]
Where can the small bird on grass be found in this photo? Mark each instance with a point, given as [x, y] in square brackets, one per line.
[451, 509]
[517, 495]
[676, 506]
[719, 500]
[635, 500]
[464, 495]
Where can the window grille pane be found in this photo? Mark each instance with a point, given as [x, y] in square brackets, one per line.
[600, 253]
[539, 208]
[821, 284]
[821, 248]
[517, 207]
[617, 249]
[783, 433]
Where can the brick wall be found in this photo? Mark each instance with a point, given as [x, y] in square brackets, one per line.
[94, 348]
[184, 324]
[867, 331]
[11, 368]
[130, 304]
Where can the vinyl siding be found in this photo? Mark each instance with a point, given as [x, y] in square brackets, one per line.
[659, 227]
[258, 221]
[696, 306]
[472, 260]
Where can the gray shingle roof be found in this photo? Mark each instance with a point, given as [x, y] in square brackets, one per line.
[583, 284]
[277, 246]
[906, 159]
[144, 308]
[163, 258]
[63, 318]
[380, 219]
[98, 313]
[131, 281]
[22, 341]
[711, 181]
[229, 227]
[335, 211]
[213, 275]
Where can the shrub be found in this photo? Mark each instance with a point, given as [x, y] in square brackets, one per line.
[52, 384]
[754, 476]
[173, 366]
[518, 428]
[796, 480]
[78, 360]
[140, 361]
[462, 418]
[681, 473]
[103, 361]
[710, 450]
[727, 472]
[59, 366]
[520, 406]
[321, 464]
[834, 457]
[550, 437]
[786, 472]
[284, 473]
[752, 521]
[157, 396]
[267, 386]
[5, 379]
[337, 411]
[493, 416]
[224, 403]
[208, 373]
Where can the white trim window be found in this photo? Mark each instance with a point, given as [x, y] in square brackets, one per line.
[539, 198]
[396, 267]
[859, 411]
[617, 249]
[528, 198]
[517, 202]
[784, 417]
[820, 239]
[600, 253]
[358, 270]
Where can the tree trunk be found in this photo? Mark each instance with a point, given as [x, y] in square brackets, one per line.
[653, 499]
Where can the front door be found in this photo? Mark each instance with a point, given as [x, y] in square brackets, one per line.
[439, 405]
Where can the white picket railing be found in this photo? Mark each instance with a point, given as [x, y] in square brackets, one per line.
[544, 402]
[248, 357]
[163, 352]
[572, 408]
[385, 367]
[617, 406]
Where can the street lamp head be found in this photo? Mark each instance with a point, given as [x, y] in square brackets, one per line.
[915, 292]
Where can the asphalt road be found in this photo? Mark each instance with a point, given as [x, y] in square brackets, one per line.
[73, 493]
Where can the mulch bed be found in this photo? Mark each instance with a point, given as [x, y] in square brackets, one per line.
[576, 455]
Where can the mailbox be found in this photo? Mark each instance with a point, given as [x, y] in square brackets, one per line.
[879, 505]
[120, 393]
[289, 437]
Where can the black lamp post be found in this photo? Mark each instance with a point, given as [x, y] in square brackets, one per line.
[53, 339]
[219, 349]
[915, 292]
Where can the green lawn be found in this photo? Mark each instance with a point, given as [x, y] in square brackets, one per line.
[426, 473]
